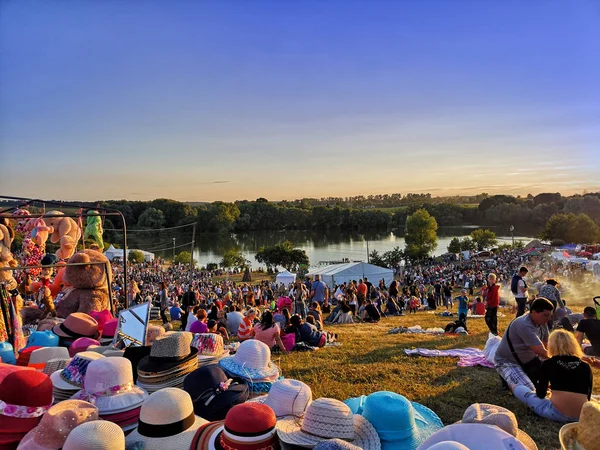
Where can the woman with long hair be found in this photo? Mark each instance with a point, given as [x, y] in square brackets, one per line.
[570, 379]
[268, 332]
[164, 301]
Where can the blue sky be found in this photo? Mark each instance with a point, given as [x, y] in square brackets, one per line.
[225, 100]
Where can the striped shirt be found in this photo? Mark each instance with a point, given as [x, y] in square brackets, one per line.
[245, 329]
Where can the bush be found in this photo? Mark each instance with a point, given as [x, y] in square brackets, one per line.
[184, 258]
[135, 256]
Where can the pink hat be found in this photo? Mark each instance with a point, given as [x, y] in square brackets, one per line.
[102, 317]
[81, 345]
[109, 330]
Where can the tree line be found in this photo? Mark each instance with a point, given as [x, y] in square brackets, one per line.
[327, 214]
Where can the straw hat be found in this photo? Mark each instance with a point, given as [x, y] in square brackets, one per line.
[167, 421]
[209, 345]
[213, 392]
[325, 419]
[56, 364]
[109, 385]
[81, 345]
[96, 435]
[499, 416]
[473, 436]
[40, 357]
[399, 422]
[71, 377]
[57, 423]
[586, 432]
[77, 325]
[287, 398]
[25, 395]
[168, 352]
[249, 426]
[252, 361]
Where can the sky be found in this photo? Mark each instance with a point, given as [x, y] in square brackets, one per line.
[240, 99]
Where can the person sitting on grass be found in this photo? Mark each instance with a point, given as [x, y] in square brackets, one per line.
[431, 303]
[268, 332]
[478, 307]
[344, 316]
[413, 305]
[308, 333]
[315, 311]
[245, 329]
[391, 307]
[370, 313]
[589, 327]
[199, 326]
[569, 377]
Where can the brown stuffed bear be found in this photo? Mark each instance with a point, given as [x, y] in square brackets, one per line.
[90, 284]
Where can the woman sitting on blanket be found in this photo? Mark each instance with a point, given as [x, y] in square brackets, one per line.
[344, 316]
[570, 379]
[308, 333]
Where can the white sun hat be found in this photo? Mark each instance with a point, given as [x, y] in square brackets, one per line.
[287, 398]
[327, 418]
[71, 377]
[96, 435]
[109, 385]
[167, 421]
[252, 361]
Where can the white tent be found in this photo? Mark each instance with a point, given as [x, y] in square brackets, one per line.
[343, 273]
[285, 277]
[112, 252]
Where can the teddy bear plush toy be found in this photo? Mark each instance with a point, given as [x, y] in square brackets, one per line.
[64, 231]
[89, 291]
[6, 257]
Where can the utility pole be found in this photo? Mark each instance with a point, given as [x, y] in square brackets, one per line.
[368, 252]
[512, 234]
[173, 250]
[192, 251]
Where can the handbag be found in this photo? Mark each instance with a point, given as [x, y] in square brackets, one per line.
[531, 368]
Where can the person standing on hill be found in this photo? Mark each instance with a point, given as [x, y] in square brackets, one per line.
[492, 303]
[318, 290]
[519, 289]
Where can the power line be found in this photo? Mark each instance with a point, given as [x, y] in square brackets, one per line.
[151, 229]
[169, 247]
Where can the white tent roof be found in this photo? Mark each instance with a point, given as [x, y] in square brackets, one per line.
[340, 273]
[285, 277]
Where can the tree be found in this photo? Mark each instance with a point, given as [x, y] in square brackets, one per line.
[392, 258]
[467, 244]
[484, 238]
[454, 245]
[376, 259]
[420, 235]
[135, 256]
[234, 259]
[283, 254]
[184, 258]
[151, 218]
[572, 228]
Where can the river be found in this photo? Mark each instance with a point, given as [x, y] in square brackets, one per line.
[320, 245]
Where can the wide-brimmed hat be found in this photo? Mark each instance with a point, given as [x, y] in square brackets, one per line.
[42, 339]
[40, 357]
[336, 444]
[399, 422]
[167, 421]
[168, 352]
[252, 361]
[287, 398]
[327, 418]
[213, 392]
[249, 426]
[500, 417]
[473, 436]
[57, 423]
[81, 345]
[102, 317]
[77, 325]
[109, 385]
[586, 432]
[106, 350]
[56, 364]
[25, 396]
[71, 377]
[96, 435]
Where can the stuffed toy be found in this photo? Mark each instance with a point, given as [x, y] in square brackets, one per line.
[32, 248]
[89, 283]
[39, 233]
[93, 230]
[66, 232]
[7, 235]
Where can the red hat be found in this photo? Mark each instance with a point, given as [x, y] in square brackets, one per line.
[249, 426]
[25, 395]
[25, 354]
[6, 369]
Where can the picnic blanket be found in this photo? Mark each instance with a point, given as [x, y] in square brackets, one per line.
[469, 357]
[416, 330]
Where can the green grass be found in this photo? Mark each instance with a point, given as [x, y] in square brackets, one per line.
[371, 360]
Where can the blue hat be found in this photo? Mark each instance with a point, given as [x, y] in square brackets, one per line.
[42, 339]
[398, 422]
[7, 353]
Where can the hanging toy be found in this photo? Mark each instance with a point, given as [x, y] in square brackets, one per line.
[66, 232]
[7, 235]
[93, 230]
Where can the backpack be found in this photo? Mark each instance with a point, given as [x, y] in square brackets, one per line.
[514, 285]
